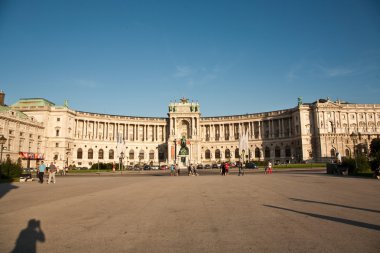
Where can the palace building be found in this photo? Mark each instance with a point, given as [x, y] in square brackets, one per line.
[36, 128]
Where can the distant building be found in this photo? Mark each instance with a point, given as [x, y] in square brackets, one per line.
[306, 133]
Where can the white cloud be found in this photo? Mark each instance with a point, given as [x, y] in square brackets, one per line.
[336, 71]
[183, 71]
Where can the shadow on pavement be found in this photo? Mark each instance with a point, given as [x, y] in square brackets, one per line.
[332, 204]
[5, 188]
[330, 218]
[28, 237]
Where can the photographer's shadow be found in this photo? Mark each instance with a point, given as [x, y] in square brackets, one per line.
[28, 238]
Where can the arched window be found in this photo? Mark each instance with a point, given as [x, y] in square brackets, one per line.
[267, 153]
[141, 155]
[288, 152]
[277, 152]
[79, 153]
[257, 152]
[131, 154]
[111, 154]
[207, 154]
[217, 154]
[151, 155]
[227, 154]
[101, 154]
[237, 155]
[332, 152]
[90, 154]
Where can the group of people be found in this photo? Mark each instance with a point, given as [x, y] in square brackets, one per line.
[192, 170]
[52, 170]
[225, 167]
[174, 170]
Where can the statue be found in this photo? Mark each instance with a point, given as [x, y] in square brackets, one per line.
[299, 101]
[184, 150]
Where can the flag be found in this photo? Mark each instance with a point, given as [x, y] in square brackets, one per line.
[243, 142]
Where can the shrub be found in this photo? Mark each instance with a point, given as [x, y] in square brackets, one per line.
[9, 170]
[361, 162]
[104, 166]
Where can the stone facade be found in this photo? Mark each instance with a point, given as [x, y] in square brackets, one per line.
[308, 132]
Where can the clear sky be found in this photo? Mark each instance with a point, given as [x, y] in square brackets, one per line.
[233, 57]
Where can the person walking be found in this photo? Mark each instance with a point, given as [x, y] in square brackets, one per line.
[52, 171]
[241, 169]
[227, 167]
[224, 169]
[41, 171]
[172, 170]
[269, 168]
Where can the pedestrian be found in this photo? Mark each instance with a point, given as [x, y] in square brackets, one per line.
[172, 169]
[41, 171]
[223, 169]
[177, 169]
[227, 167]
[52, 171]
[189, 170]
[269, 168]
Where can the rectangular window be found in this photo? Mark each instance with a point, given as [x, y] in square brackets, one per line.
[56, 144]
[56, 132]
[58, 119]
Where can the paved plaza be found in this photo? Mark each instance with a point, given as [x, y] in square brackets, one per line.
[282, 212]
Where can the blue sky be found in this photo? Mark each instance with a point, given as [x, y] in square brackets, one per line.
[233, 57]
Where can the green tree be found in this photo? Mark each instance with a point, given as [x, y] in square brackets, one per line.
[374, 154]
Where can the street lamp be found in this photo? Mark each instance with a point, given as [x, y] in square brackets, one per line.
[2, 142]
[121, 160]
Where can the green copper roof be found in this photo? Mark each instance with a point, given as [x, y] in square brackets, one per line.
[27, 102]
[18, 113]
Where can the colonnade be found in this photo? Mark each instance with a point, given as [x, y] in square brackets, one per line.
[257, 129]
[103, 130]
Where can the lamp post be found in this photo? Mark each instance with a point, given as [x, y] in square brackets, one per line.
[2, 142]
[175, 151]
[121, 160]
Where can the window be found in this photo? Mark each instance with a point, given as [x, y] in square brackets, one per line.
[207, 154]
[267, 153]
[141, 155]
[217, 154]
[90, 154]
[55, 157]
[131, 155]
[277, 152]
[79, 153]
[257, 152]
[151, 155]
[227, 153]
[332, 152]
[57, 132]
[56, 144]
[111, 154]
[348, 153]
[288, 152]
[101, 154]
[237, 153]
[58, 119]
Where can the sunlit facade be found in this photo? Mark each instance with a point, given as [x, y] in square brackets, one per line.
[308, 132]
